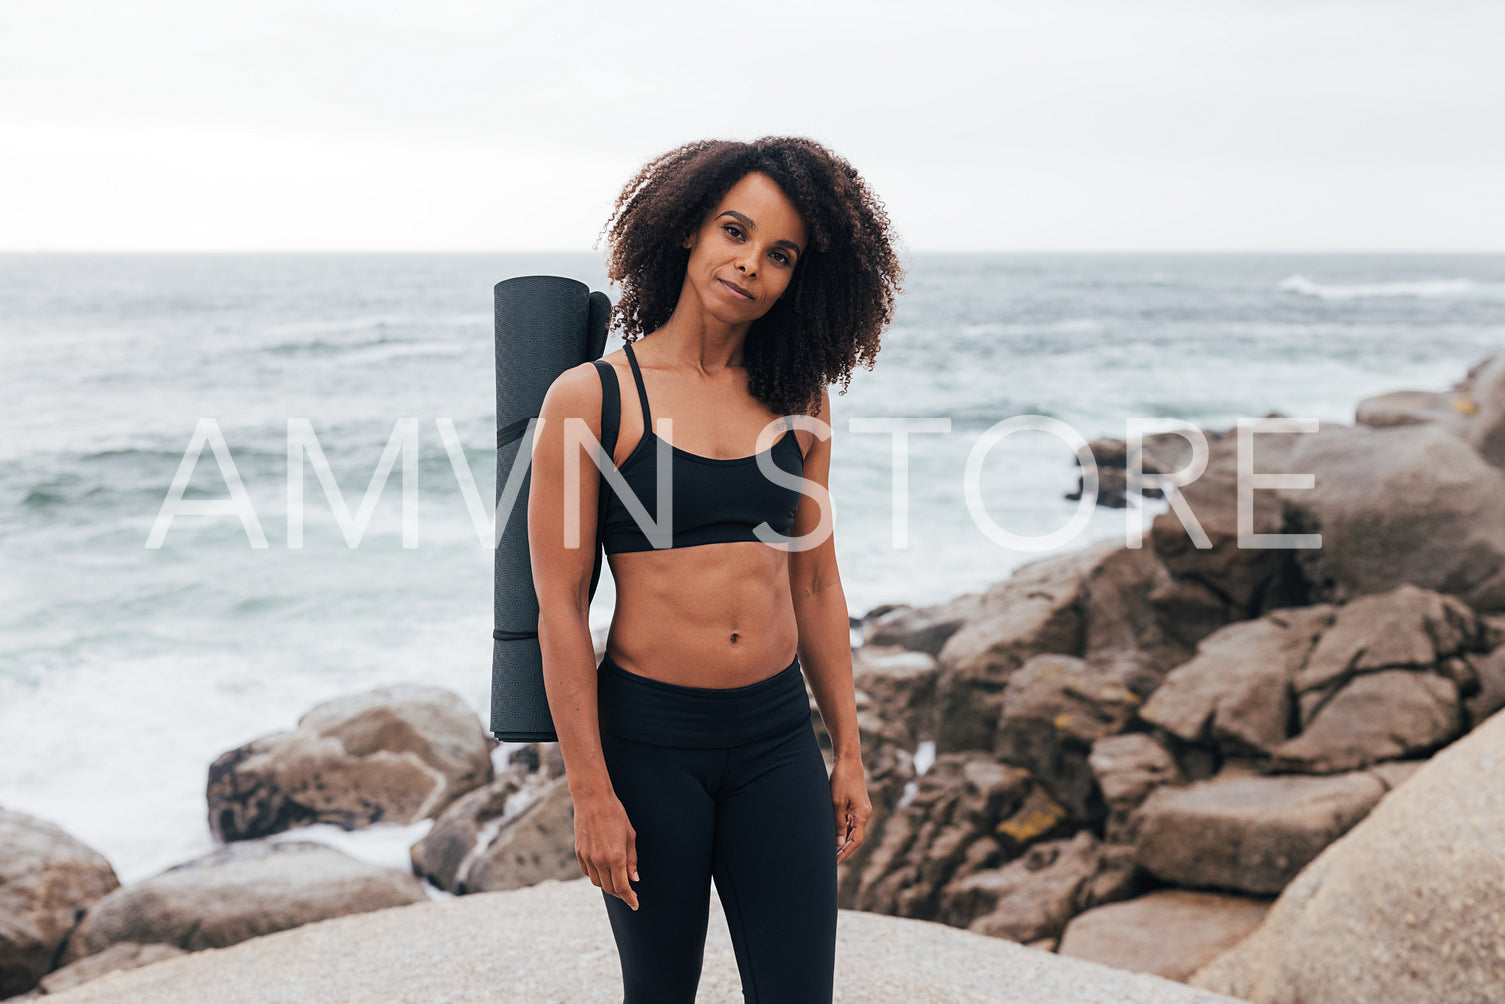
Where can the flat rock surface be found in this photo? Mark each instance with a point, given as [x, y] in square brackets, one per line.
[551, 944]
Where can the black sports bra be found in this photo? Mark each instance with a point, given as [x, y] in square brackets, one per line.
[714, 500]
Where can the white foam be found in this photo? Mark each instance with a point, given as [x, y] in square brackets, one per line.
[1429, 289]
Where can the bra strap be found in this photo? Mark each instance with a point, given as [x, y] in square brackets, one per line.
[637, 375]
[611, 405]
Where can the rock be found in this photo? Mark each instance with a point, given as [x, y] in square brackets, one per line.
[1386, 715]
[901, 686]
[1121, 623]
[1245, 832]
[1236, 691]
[1159, 453]
[1118, 877]
[1485, 428]
[1275, 689]
[1112, 492]
[1127, 768]
[1423, 630]
[121, 955]
[237, 892]
[543, 759]
[1029, 898]
[1054, 708]
[394, 754]
[1038, 817]
[535, 844]
[872, 728]
[1405, 908]
[944, 831]
[920, 629]
[1408, 504]
[1414, 407]
[47, 878]
[1040, 608]
[1190, 609]
[1225, 581]
[552, 942]
[1170, 933]
[466, 829]
[1489, 672]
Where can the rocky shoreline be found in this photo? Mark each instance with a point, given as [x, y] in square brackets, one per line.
[1127, 755]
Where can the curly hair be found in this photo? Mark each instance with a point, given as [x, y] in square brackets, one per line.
[840, 297]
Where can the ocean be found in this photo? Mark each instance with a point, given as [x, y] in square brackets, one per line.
[125, 669]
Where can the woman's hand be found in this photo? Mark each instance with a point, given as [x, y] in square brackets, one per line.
[852, 807]
[606, 846]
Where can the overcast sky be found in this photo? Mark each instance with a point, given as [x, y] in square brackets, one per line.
[478, 126]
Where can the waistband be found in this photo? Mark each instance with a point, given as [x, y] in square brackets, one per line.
[667, 714]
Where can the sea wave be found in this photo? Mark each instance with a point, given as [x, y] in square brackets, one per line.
[1428, 289]
[1064, 326]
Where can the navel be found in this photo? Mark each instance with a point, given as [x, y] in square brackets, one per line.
[735, 636]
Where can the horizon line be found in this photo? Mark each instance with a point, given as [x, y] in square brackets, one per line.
[916, 251]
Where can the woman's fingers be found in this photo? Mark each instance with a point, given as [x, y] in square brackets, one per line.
[628, 894]
[859, 831]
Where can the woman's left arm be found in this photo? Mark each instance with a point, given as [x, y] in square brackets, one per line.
[825, 647]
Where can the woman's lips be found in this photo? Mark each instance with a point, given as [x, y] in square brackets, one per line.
[733, 290]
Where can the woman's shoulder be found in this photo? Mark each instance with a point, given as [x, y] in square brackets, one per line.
[576, 391]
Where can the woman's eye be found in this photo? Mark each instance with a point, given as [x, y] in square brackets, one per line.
[783, 258]
[733, 229]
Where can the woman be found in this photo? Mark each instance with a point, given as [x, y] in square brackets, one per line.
[753, 275]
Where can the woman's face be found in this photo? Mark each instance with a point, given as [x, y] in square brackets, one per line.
[749, 242]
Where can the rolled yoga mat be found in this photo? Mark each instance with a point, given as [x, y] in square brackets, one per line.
[545, 324]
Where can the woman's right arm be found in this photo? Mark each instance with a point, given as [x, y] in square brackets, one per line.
[604, 838]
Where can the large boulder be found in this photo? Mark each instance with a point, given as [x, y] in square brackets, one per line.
[552, 942]
[1328, 688]
[1405, 627]
[464, 831]
[395, 754]
[1169, 932]
[1236, 692]
[1405, 908]
[1215, 579]
[1387, 715]
[240, 891]
[534, 844]
[1411, 504]
[1091, 603]
[507, 834]
[1248, 832]
[47, 878]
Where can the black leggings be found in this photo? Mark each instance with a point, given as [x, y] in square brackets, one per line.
[724, 784]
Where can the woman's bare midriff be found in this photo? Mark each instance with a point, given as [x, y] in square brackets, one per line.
[715, 615]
